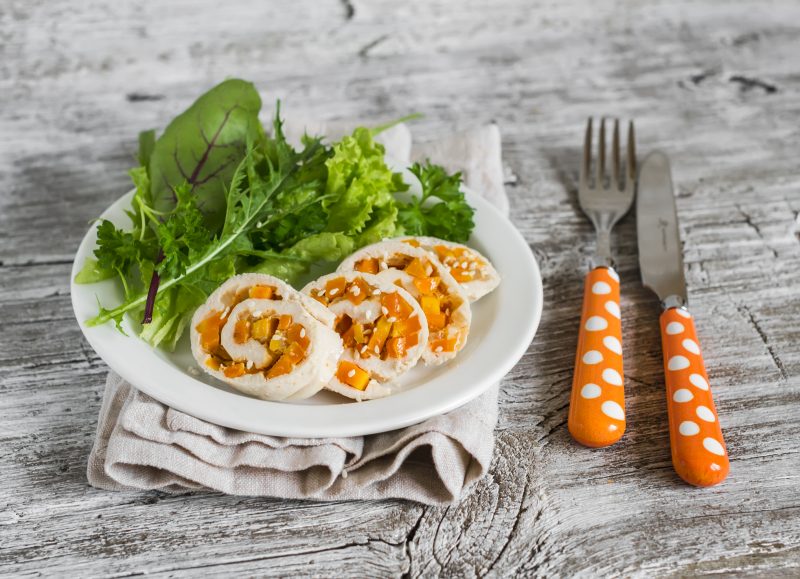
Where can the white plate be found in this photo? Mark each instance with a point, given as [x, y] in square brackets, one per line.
[503, 325]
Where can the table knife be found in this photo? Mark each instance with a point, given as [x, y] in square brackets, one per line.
[699, 454]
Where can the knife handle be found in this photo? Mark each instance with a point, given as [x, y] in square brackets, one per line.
[597, 405]
[698, 449]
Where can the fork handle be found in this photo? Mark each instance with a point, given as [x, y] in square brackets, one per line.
[597, 405]
[698, 449]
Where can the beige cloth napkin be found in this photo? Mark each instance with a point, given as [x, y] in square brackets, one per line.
[143, 444]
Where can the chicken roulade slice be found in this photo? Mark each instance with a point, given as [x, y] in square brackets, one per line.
[468, 266]
[270, 349]
[382, 326]
[420, 273]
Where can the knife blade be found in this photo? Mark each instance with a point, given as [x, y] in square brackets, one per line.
[660, 255]
[699, 454]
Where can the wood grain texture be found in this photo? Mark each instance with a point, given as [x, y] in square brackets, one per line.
[715, 86]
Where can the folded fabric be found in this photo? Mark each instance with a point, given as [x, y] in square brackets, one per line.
[143, 444]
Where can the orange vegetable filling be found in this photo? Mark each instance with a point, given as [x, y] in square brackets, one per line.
[352, 375]
[463, 264]
[379, 338]
[286, 341]
[368, 265]
[264, 292]
[396, 306]
[209, 330]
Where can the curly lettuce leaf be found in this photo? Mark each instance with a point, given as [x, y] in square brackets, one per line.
[358, 181]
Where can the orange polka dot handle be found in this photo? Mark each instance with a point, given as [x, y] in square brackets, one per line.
[698, 449]
[597, 405]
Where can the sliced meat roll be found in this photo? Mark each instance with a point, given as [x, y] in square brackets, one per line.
[468, 267]
[382, 326]
[419, 272]
[263, 286]
[270, 349]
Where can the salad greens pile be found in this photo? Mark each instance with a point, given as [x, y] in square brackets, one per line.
[217, 195]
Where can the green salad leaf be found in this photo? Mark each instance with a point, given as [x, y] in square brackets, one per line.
[358, 181]
[216, 195]
[450, 218]
[203, 146]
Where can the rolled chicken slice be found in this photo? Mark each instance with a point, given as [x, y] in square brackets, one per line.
[267, 348]
[262, 286]
[421, 274]
[468, 266]
[382, 326]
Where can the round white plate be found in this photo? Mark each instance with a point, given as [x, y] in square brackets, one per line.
[503, 325]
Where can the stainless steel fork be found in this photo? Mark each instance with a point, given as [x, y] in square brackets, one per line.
[597, 405]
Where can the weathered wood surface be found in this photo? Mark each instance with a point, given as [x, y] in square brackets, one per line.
[715, 85]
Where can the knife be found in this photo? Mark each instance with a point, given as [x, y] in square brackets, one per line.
[698, 449]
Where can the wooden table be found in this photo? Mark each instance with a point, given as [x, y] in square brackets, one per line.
[716, 86]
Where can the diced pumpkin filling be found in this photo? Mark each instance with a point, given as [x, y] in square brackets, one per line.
[262, 292]
[286, 341]
[368, 265]
[434, 298]
[389, 336]
[462, 263]
[352, 375]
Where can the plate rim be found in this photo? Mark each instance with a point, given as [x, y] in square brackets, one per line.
[368, 417]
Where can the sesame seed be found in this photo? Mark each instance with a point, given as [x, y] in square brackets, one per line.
[384, 265]
[355, 290]
[302, 332]
[250, 364]
[428, 270]
[363, 349]
[439, 349]
[226, 312]
[351, 373]
[469, 273]
[334, 291]
[384, 311]
[473, 265]
[464, 265]
[376, 292]
[392, 320]
[321, 292]
[377, 350]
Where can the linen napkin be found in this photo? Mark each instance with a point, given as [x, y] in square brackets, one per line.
[143, 444]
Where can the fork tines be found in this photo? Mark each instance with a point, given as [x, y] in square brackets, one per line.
[616, 177]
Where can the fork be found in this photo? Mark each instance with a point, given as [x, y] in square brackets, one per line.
[597, 404]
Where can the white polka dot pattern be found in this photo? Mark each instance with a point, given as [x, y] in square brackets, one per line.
[675, 328]
[612, 377]
[601, 288]
[613, 344]
[691, 346]
[698, 381]
[704, 413]
[590, 391]
[612, 409]
[698, 449]
[597, 405]
[596, 323]
[713, 445]
[678, 363]
[592, 357]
